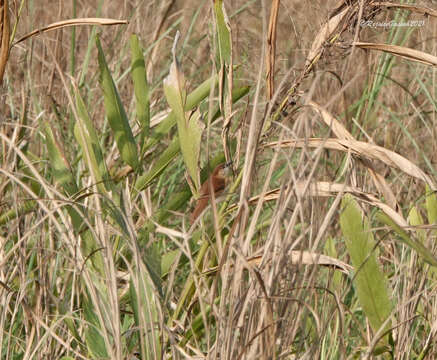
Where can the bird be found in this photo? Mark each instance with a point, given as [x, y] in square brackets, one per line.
[216, 181]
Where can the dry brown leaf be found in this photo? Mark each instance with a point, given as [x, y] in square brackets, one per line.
[324, 34]
[72, 22]
[271, 49]
[361, 149]
[337, 127]
[309, 258]
[342, 133]
[404, 52]
[300, 257]
[326, 189]
[412, 8]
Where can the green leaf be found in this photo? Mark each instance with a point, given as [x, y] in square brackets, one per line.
[193, 100]
[60, 167]
[223, 32]
[407, 239]
[168, 259]
[141, 87]
[431, 205]
[166, 157]
[331, 251]
[370, 282]
[116, 114]
[146, 308]
[415, 219]
[237, 94]
[93, 338]
[189, 125]
[86, 136]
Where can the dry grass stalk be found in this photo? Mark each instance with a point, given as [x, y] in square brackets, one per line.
[4, 38]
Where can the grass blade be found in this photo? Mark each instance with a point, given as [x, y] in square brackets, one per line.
[370, 283]
[141, 87]
[116, 114]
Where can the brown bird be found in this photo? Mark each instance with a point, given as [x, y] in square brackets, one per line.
[216, 181]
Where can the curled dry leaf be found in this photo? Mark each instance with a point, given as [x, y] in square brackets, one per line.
[72, 22]
[404, 52]
[361, 149]
[324, 34]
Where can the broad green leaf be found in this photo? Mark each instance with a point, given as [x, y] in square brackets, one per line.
[331, 251]
[175, 91]
[431, 205]
[168, 259]
[86, 136]
[407, 239]
[193, 100]
[370, 283]
[190, 140]
[93, 337]
[223, 32]
[141, 87]
[415, 219]
[189, 125]
[166, 157]
[116, 114]
[237, 94]
[60, 167]
[145, 305]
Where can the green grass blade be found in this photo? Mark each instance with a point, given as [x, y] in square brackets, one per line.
[167, 156]
[408, 240]
[61, 170]
[431, 205]
[415, 219]
[189, 127]
[193, 100]
[116, 114]
[370, 283]
[145, 306]
[141, 88]
[86, 136]
[223, 32]
[93, 337]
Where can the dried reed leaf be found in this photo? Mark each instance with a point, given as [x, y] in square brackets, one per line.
[310, 258]
[324, 34]
[271, 48]
[5, 34]
[362, 149]
[412, 8]
[342, 133]
[300, 257]
[337, 127]
[326, 189]
[72, 22]
[401, 51]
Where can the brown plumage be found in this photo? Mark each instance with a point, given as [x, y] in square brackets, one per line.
[216, 181]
